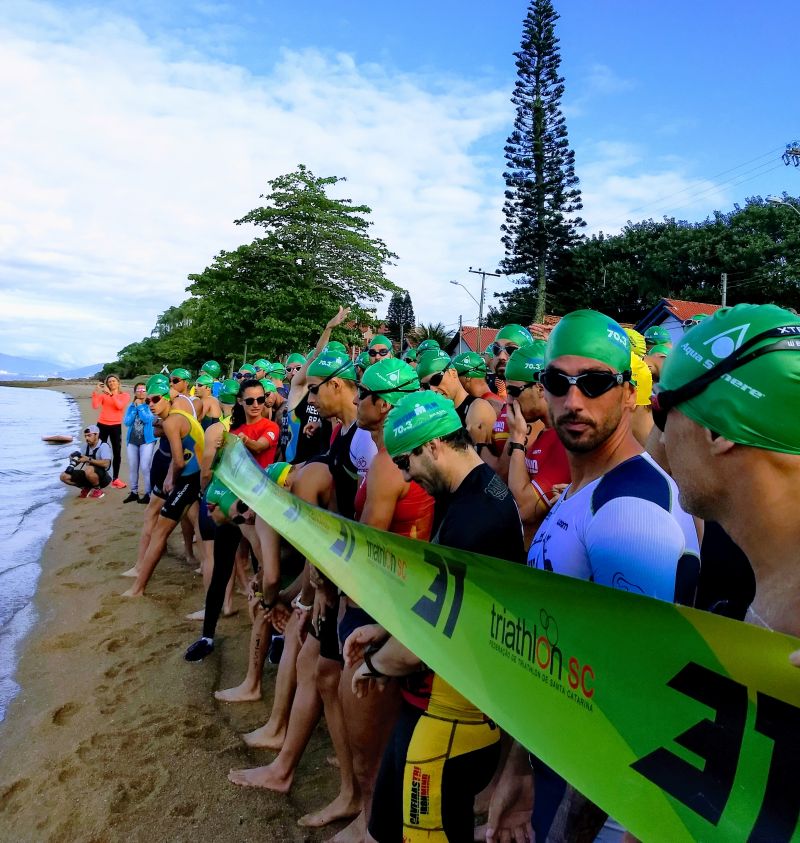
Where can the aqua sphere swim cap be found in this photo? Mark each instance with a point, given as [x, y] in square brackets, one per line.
[363, 360]
[416, 419]
[638, 343]
[527, 362]
[335, 345]
[332, 364]
[218, 494]
[391, 378]
[518, 334]
[211, 367]
[655, 335]
[295, 358]
[432, 361]
[756, 404]
[642, 379]
[262, 364]
[278, 472]
[229, 391]
[180, 372]
[204, 380]
[470, 365]
[380, 339]
[427, 345]
[157, 385]
[587, 333]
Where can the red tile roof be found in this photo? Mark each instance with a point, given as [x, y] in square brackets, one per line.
[469, 333]
[686, 309]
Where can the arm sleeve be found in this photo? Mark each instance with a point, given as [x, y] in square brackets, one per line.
[120, 400]
[130, 414]
[97, 399]
[635, 545]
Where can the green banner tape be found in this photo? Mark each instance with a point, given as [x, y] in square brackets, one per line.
[680, 724]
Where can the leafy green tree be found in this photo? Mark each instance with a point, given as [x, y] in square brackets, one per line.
[432, 331]
[542, 195]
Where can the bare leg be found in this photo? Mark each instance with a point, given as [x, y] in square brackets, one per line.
[306, 711]
[242, 568]
[150, 519]
[369, 724]
[347, 803]
[273, 732]
[250, 688]
[155, 550]
[227, 606]
[188, 530]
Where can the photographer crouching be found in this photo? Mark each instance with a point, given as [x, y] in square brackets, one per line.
[89, 471]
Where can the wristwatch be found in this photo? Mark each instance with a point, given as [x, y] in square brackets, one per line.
[368, 654]
[515, 446]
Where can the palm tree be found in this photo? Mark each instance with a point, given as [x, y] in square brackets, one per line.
[431, 331]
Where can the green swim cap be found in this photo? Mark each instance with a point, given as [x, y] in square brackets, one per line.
[660, 349]
[656, 335]
[277, 370]
[587, 333]
[757, 404]
[642, 379]
[638, 344]
[247, 367]
[334, 345]
[380, 339]
[426, 345]
[416, 419]
[332, 364]
[515, 333]
[488, 349]
[470, 365]
[211, 367]
[262, 364]
[218, 494]
[180, 372]
[268, 385]
[295, 358]
[391, 378]
[363, 361]
[204, 380]
[229, 391]
[278, 472]
[410, 355]
[527, 362]
[694, 320]
[432, 361]
[157, 385]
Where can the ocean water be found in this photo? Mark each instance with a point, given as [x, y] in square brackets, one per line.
[31, 497]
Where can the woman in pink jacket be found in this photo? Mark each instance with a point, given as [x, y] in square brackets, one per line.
[109, 398]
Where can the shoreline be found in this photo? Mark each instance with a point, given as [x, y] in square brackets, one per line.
[113, 735]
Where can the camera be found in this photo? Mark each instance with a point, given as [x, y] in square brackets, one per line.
[73, 461]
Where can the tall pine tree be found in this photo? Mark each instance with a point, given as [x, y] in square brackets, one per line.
[409, 320]
[542, 195]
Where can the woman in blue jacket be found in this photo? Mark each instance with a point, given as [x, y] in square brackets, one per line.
[141, 442]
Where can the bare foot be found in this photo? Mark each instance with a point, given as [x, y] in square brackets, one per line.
[132, 592]
[479, 835]
[198, 570]
[193, 560]
[241, 693]
[229, 611]
[197, 616]
[131, 572]
[332, 761]
[265, 737]
[266, 777]
[356, 832]
[342, 808]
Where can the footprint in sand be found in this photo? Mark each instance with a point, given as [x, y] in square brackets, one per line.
[103, 613]
[65, 641]
[64, 713]
[8, 802]
[93, 549]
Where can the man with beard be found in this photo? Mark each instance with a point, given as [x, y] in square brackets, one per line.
[618, 524]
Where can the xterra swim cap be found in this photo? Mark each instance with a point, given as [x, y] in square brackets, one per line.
[391, 379]
[432, 361]
[229, 391]
[426, 345]
[527, 362]
[157, 385]
[416, 419]
[470, 365]
[295, 358]
[755, 404]
[638, 343]
[655, 335]
[212, 368]
[642, 379]
[587, 333]
[218, 494]
[514, 333]
[332, 364]
[180, 372]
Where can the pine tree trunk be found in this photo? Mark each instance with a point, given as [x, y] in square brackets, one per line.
[541, 293]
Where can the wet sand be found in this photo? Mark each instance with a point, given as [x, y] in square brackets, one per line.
[113, 735]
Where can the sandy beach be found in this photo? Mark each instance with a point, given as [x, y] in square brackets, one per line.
[113, 736]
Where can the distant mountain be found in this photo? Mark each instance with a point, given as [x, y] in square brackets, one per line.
[21, 368]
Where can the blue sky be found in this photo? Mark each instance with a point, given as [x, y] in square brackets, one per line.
[138, 131]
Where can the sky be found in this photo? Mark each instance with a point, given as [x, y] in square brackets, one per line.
[134, 133]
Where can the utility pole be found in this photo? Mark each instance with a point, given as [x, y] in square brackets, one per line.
[461, 332]
[724, 289]
[483, 273]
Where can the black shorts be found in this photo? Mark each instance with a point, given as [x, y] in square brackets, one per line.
[208, 529]
[353, 618]
[158, 473]
[327, 637]
[185, 493]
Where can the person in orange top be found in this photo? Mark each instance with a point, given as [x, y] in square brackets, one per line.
[109, 398]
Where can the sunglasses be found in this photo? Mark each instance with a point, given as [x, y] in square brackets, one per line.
[378, 352]
[516, 391]
[689, 323]
[591, 384]
[293, 368]
[436, 378]
[364, 393]
[663, 400]
[153, 399]
[314, 388]
[250, 401]
[175, 380]
[509, 349]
